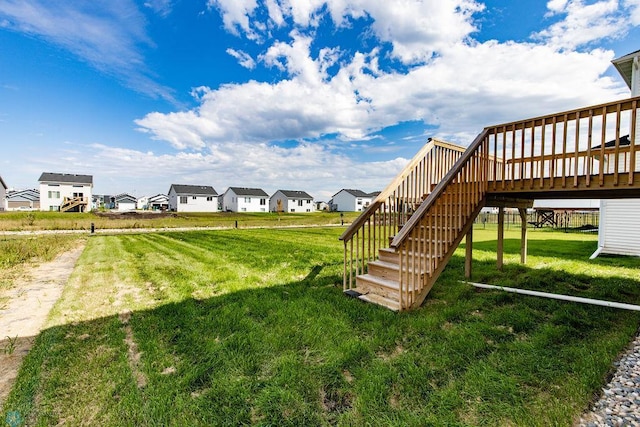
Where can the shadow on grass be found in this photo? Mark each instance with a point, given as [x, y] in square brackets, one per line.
[565, 249]
[303, 354]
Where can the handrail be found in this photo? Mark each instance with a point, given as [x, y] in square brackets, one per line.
[438, 190]
[389, 189]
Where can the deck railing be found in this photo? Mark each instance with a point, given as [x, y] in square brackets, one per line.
[586, 148]
[577, 150]
[433, 232]
[393, 207]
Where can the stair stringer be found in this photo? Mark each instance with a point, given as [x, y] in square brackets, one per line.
[429, 281]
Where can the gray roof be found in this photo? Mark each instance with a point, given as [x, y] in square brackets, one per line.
[624, 64]
[199, 190]
[3, 183]
[71, 178]
[31, 195]
[294, 194]
[124, 197]
[359, 193]
[241, 191]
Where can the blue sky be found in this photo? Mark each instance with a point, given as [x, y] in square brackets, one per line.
[280, 94]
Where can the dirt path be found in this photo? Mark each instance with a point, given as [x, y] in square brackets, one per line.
[23, 316]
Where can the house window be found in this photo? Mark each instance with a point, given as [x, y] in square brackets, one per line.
[54, 194]
[308, 202]
[292, 210]
[194, 197]
[243, 209]
[360, 201]
[300, 202]
[263, 202]
[308, 210]
[247, 199]
[209, 198]
[183, 200]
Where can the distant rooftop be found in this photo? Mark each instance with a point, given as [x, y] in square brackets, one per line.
[294, 194]
[66, 177]
[359, 193]
[242, 191]
[198, 190]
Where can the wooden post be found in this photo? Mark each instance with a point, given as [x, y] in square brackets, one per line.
[468, 257]
[523, 235]
[500, 250]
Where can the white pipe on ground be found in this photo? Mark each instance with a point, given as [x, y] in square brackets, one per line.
[560, 297]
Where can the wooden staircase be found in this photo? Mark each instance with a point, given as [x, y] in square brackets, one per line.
[69, 204]
[397, 248]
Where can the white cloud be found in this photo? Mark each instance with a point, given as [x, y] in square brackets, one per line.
[634, 11]
[415, 28]
[244, 59]
[583, 23]
[466, 88]
[107, 35]
[161, 7]
[235, 15]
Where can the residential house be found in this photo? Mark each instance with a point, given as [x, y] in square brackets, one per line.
[323, 206]
[65, 192]
[291, 201]
[348, 200]
[23, 200]
[159, 202]
[125, 202]
[619, 225]
[240, 199]
[3, 194]
[193, 198]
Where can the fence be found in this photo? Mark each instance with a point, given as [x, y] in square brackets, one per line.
[568, 221]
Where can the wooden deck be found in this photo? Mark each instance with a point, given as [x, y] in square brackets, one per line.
[395, 251]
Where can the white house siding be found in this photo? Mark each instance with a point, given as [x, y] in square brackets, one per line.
[197, 204]
[3, 195]
[347, 202]
[619, 227]
[291, 204]
[234, 202]
[52, 195]
[190, 202]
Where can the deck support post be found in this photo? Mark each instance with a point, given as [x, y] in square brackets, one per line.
[468, 256]
[523, 235]
[500, 250]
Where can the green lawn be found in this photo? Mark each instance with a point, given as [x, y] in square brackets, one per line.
[32, 221]
[250, 327]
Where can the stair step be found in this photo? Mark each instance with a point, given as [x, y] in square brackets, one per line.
[391, 256]
[386, 270]
[370, 284]
[389, 303]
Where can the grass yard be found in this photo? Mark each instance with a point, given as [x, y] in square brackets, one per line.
[250, 327]
[36, 220]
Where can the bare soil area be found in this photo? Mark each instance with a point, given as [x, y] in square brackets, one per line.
[25, 309]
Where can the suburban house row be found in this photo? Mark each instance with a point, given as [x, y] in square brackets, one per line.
[74, 193]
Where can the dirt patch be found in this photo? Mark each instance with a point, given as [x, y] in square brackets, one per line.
[25, 310]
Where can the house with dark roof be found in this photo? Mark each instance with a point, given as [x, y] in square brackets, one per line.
[65, 192]
[349, 200]
[3, 195]
[291, 201]
[241, 199]
[193, 198]
[159, 202]
[125, 202]
[23, 200]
